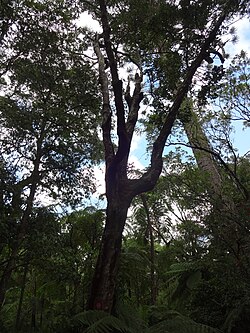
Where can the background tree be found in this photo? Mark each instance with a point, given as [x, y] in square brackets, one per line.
[49, 111]
[50, 283]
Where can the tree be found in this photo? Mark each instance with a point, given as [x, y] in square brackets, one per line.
[120, 190]
[49, 110]
[50, 283]
[229, 90]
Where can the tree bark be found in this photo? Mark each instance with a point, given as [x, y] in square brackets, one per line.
[231, 230]
[202, 151]
[104, 281]
[207, 159]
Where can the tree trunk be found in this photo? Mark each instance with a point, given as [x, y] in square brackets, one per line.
[5, 279]
[202, 151]
[153, 287]
[104, 280]
[231, 230]
[19, 310]
[34, 309]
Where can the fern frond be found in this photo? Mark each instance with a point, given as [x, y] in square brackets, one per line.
[174, 322]
[107, 325]
[100, 322]
[181, 267]
[158, 328]
[130, 316]
[181, 325]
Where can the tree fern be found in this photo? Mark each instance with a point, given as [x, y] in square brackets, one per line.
[182, 278]
[181, 267]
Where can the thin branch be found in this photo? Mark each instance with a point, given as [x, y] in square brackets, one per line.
[233, 176]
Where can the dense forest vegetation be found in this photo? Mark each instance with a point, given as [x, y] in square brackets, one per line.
[170, 253]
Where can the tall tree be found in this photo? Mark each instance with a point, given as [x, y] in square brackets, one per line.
[120, 190]
[49, 111]
[231, 95]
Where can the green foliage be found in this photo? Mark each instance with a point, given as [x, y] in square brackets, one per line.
[198, 268]
[162, 321]
[49, 103]
[100, 322]
[230, 89]
[59, 255]
[174, 322]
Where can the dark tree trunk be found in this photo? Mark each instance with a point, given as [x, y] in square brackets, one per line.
[153, 287]
[6, 276]
[34, 309]
[104, 281]
[19, 309]
[41, 313]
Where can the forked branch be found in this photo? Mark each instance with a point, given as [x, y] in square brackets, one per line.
[123, 142]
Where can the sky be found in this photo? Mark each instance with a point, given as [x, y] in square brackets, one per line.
[138, 156]
[241, 138]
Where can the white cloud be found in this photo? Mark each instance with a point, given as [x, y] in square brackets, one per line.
[86, 20]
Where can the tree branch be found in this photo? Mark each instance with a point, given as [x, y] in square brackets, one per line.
[134, 105]
[106, 110]
[123, 143]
